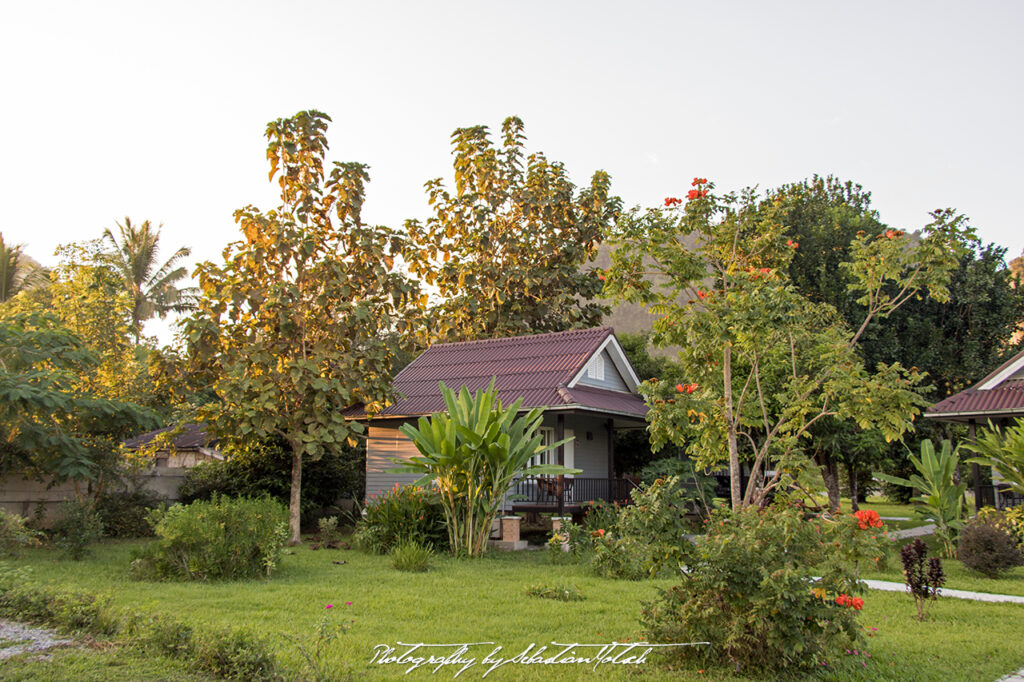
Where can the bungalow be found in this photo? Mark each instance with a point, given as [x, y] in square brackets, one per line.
[582, 381]
[998, 398]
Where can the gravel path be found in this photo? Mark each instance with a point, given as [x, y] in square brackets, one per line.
[26, 639]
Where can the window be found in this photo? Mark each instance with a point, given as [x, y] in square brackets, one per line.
[595, 368]
[550, 456]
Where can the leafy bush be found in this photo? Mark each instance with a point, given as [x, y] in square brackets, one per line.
[698, 486]
[266, 470]
[14, 534]
[123, 514]
[219, 539]
[770, 589]
[1011, 520]
[647, 538]
[557, 591]
[403, 514]
[600, 514]
[77, 526]
[411, 557]
[987, 548]
[571, 543]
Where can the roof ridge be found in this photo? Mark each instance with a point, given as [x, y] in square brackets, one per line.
[509, 339]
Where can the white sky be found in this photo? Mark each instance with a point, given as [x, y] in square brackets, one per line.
[157, 109]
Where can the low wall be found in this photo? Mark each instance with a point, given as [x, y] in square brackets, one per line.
[25, 496]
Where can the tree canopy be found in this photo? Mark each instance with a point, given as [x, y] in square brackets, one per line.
[305, 316]
[508, 250]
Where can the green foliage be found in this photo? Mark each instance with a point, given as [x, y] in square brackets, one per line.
[265, 469]
[647, 539]
[317, 666]
[988, 548]
[327, 530]
[508, 250]
[14, 534]
[763, 586]
[125, 514]
[923, 575]
[764, 363]
[18, 271]
[71, 610]
[77, 526]
[51, 424]
[556, 591]
[942, 496]
[401, 515]
[219, 539]
[308, 312]
[1011, 520]
[1002, 449]
[572, 543]
[411, 557]
[473, 453]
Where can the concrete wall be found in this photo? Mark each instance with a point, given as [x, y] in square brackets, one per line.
[24, 496]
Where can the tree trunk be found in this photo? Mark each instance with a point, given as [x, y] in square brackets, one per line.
[851, 471]
[830, 475]
[295, 499]
[735, 482]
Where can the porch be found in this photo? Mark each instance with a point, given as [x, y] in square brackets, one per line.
[565, 494]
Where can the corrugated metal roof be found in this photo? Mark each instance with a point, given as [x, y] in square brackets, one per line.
[1005, 400]
[536, 368]
[192, 437]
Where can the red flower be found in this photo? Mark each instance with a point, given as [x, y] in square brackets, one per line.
[699, 181]
[672, 201]
[789, 242]
[765, 271]
[601, 277]
[889, 234]
[693, 194]
[868, 518]
[690, 388]
[701, 295]
[679, 388]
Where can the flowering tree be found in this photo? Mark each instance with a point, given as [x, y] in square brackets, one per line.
[765, 363]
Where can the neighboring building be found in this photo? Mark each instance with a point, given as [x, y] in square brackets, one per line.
[998, 398]
[171, 462]
[581, 379]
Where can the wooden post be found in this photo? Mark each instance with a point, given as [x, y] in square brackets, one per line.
[975, 469]
[610, 424]
[559, 436]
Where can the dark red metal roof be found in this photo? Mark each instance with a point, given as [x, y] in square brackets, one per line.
[1005, 399]
[192, 437]
[536, 368]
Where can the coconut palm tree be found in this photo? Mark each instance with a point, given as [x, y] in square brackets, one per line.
[154, 291]
[19, 272]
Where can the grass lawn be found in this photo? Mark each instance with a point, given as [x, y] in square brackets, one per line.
[485, 600]
[95, 663]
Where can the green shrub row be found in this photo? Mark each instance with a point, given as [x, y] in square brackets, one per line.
[218, 539]
[233, 655]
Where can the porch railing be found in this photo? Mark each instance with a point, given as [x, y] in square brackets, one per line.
[996, 496]
[548, 492]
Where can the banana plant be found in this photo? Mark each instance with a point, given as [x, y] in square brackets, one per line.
[1003, 451]
[939, 492]
[472, 454]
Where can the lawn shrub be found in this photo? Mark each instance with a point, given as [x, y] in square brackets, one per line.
[647, 538]
[1011, 520]
[923, 575]
[988, 548]
[77, 526]
[770, 589]
[219, 539]
[600, 514]
[73, 611]
[556, 591]
[124, 514]
[14, 534]
[403, 514]
[411, 556]
[572, 543]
